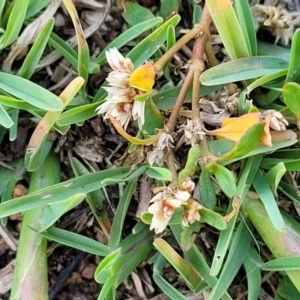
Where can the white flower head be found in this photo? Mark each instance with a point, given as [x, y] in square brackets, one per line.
[158, 154]
[163, 206]
[120, 102]
[191, 212]
[275, 119]
[193, 132]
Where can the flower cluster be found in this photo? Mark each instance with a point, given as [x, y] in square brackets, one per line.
[278, 20]
[158, 155]
[125, 88]
[167, 200]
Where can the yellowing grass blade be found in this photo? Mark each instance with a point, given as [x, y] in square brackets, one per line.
[228, 27]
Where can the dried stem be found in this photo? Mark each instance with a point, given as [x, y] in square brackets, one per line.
[169, 127]
[159, 65]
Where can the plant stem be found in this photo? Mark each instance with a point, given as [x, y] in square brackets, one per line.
[159, 65]
[169, 127]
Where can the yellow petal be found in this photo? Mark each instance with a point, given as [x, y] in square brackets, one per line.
[143, 77]
[234, 128]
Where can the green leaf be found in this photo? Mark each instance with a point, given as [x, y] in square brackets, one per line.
[76, 241]
[149, 45]
[53, 211]
[82, 184]
[207, 190]
[184, 268]
[153, 118]
[77, 114]
[246, 21]
[167, 288]
[282, 243]
[29, 92]
[236, 256]
[212, 218]
[197, 260]
[282, 264]
[121, 212]
[129, 35]
[242, 69]
[64, 49]
[225, 20]
[5, 119]
[159, 173]
[135, 14]
[15, 22]
[245, 180]
[294, 65]
[291, 94]
[274, 175]
[224, 178]
[263, 190]
[253, 273]
[32, 58]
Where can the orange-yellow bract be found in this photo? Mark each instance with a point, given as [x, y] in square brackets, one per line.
[143, 77]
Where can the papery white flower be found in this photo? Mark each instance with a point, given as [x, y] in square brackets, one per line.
[277, 19]
[193, 132]
[275, 119]
[120, 102]
[118, 62]
[191, 212]
[188, 185]
[158, 154]
[163, 206]
[138, 112]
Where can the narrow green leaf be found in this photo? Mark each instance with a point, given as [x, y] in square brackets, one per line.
[242, 69]
[184, 268]
[246, 21]
[263, 190]
[224, 178]
[207, 190]
[294, 65]
[76, 241]
[197, 260]
[129, 35]
[236, 256]
[291, 94]
[32, 58]
[5, 119]
[83, 184]
[282, 243]
[212, 218]
[64, 49]
[149, 45]
[244, 182]
[225, 20]
[53, 211]
[121, 212]
[253, 273]
[15, 22]
[167, 288]
[77, 114]
[29, 92]
[282, 264]
[159, 173]
[274, 175]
